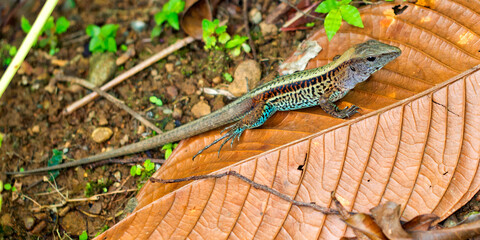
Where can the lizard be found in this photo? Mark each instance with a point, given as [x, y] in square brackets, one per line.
[320, 86]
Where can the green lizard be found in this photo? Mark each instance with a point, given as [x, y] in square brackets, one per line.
[314, 87]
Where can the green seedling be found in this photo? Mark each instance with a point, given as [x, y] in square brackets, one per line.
[9, 187]
[1, 139]
[168, 15]
[145, 171]
[102, 38]
[336, 11]
[92, 188]
[7, 52]
[169, 149]
[83, 236]
[49, 33]
[156, 101]
[216, 37]
[103, 229]
[228, 77]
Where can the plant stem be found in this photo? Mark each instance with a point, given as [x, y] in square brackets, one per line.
[27, 44]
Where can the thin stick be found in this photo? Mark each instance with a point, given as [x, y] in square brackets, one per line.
[302, 12]
[247, 29]
[132, 71]
[110, 98]
[27, 44]
[265, 188]
[126, 161]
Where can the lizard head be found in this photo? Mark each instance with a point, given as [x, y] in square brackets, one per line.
[368, 57]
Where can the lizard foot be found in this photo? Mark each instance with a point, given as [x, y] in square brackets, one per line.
[235, 130]
[347, 111]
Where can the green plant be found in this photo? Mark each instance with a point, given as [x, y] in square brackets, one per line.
[156, 101]
[102, 38]
[83, 236]
[8, 187]
[92, 188]
[145, 171]
[1, 139]
[7, 52]
[228, 77]
[169, 149]
[56, 159]
[169, 14]
[213, 33]
[51, 29]
[103, 229]
[336, 11]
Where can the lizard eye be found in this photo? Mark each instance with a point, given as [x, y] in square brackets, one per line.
[371, 59]
[352, 68]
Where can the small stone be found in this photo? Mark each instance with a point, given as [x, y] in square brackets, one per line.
[255, 16]
[171, 58]
[118, 175]
[124, 140]
[28, 221]
[201, 109]
[217, 80]
[169, 67]
[268, 30]
[138, 26]
[248, 70]
[102, 120]
[169, 126]
[172, 92]
[177, 113]
[102, 67]
[36, 129]
[101, 134]
[141, 129]
[96, 208]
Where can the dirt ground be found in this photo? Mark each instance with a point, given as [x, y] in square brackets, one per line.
[33, 125]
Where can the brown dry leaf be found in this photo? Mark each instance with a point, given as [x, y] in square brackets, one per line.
[365, 223]
[416, 142]
[420, 223]
[387, 216]
[462, 231]
[195, 12]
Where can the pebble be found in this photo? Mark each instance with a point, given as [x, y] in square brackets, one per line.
[268, 30]
[141, 129]
[201, 109]
[96, 208]
[64, 211]
[102, 68]
[172, 92]
[217, 80]
[118, 175]
[102, 120]
[138, 26]
[124, 140]
[101, 134]
[246, 70]
[255, 16]
[177, 113]
[28, 221]
[169, 67]
[36, 129]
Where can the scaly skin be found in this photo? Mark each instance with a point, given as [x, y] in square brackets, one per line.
[314, 87]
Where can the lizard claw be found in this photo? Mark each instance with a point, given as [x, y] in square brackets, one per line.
[348, 111]
[235, 131]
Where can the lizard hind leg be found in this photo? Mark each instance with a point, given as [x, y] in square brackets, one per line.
[252, 119]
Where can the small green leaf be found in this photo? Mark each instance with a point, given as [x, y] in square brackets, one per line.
[333, 20]
[83, 236]
[14, 189]
[236, 51]
[43, 42]
[168, 152]
[223, 38]
[167, 146]
[111, 44]
[228, 77]
[175, 6]
[160, 17]
[12, 51]
[109, 30]
[156, 31]
[139, 170]
[123, 47]
[96, 45]
[327, 6]
[236, 41]
[208, 28]
[7, 186]
[62, 25]
[220, 30]
[246, 47]
[92, 30]
[149, 166]
[133, 170]
[210, 41]
[1, 139]
[345, 2]
[25, 24]
[22, 170]
[53, 161]
[351, 15]
[49, 24]
[172, 19]
[310, 24]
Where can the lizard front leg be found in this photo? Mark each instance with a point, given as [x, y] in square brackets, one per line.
[252, 119]
[329, 107]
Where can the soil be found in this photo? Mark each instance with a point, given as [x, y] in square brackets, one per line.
[33, 125]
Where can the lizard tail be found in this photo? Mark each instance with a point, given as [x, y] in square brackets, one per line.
[225, 115]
